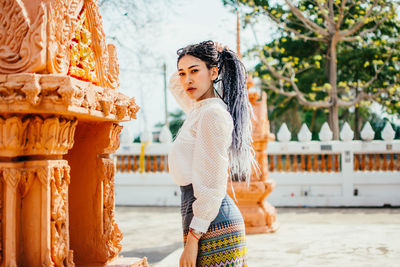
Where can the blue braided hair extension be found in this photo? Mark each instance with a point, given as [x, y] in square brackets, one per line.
[241, 153]
[232, 75]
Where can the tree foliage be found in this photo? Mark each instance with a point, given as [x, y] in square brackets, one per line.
[177, 118]
[329, 55]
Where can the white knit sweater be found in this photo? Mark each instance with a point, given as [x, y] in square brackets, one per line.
[199, 153]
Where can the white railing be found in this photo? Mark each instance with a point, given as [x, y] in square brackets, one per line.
[307, 173]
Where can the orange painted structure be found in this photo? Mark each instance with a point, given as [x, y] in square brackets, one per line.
[259, 216]
[59, 114]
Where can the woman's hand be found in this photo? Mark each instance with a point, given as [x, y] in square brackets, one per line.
[220, 47]
[189, 254]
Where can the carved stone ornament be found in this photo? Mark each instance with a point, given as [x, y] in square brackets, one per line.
[22, 40]
[40, 93]
[304, 135]
[346, 134]
[56, 175]
[59, 114]
[112, 234]
[284, 134]
[325, 134]
[113, 139]
[388, 133]
[33, 135]
[59, 214]
[367, 133]
[50, 40]
[62, 20]
[259, 216]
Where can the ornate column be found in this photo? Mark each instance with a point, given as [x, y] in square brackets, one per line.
[59, 114]
[35, 181]
[92, 192]
[259, 215]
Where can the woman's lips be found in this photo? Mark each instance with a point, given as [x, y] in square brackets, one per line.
[190, 89]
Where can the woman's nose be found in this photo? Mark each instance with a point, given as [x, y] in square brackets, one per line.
[189, 79]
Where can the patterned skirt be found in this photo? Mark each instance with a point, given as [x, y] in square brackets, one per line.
[224, 243]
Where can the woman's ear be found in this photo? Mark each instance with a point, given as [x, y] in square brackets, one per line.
[214, 73]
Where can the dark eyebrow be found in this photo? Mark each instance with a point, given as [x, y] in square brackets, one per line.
[190, 67]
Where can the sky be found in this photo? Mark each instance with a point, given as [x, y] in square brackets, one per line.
[185, 23]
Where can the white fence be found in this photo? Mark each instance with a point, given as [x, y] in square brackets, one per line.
[307, 173]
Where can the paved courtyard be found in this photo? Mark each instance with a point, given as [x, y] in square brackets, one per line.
[306, 237]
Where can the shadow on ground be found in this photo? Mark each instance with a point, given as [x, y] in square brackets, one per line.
[153, 254]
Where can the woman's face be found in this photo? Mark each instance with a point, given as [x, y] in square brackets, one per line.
[196, 78]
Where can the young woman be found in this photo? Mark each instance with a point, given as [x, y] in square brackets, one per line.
[213, 144]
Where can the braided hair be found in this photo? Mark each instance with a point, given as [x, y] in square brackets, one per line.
[232, 75]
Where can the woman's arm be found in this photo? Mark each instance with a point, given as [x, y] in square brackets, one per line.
[178, 92]
[210, 165]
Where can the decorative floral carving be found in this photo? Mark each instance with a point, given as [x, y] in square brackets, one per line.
[58, 41]
[59, 182]
[99, 41]
[43, 174]
[113, 68]
[112, 234]
[82, 63]
[13, 133]
[25, 182]
[22, 43]
[33, 135]
[31, 89]
[21, 175]
[259, 216]
[64, 94]
[11, 177]
[113, 139]
[62, 20]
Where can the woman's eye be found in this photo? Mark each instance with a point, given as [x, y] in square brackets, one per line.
[194, 71]
[181, 74]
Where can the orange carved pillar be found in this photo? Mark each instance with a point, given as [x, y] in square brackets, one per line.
[34, 181]
[59, 114]
[259, 215]
[92, 193]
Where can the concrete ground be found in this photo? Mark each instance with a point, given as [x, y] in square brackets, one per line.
[306, 237]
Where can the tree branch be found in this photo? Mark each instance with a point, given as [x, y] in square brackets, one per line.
[300, 96]
[302, 36]
[341, 14]
[309, 24]
[269, 85]
[366, 31]
[377, 73]
[327, 18]
[360, 22]
[361, 96]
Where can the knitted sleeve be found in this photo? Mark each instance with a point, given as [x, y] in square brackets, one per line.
[178, 92]
[210, 165]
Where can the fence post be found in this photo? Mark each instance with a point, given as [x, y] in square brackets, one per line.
[347, 157]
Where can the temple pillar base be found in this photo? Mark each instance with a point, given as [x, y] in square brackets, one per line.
[259, 216]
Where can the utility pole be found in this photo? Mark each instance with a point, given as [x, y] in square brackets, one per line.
[165, 94]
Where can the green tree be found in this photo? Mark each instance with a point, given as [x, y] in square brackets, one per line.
[176, 119]
[330, 54]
